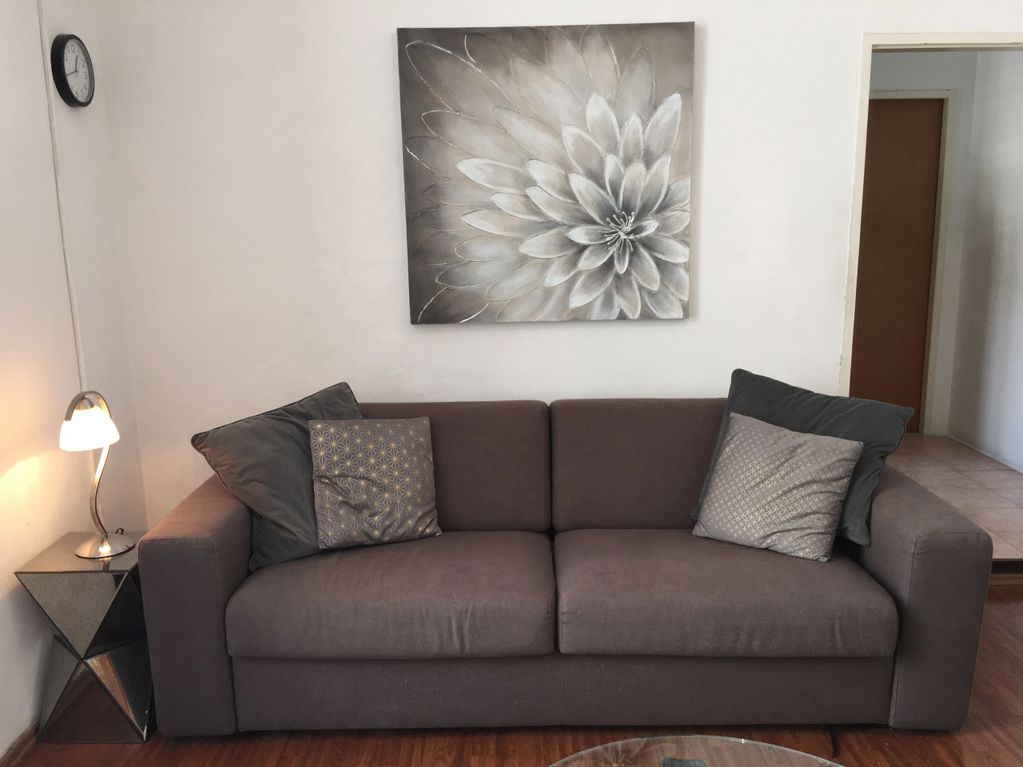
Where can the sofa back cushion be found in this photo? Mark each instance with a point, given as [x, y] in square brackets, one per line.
[491, 461]
[630, 463]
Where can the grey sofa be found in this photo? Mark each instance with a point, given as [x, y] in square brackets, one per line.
[566, 589]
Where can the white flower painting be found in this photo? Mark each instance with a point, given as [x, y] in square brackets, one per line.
[547, 172]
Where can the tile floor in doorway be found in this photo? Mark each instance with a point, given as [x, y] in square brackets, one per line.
[988, 492]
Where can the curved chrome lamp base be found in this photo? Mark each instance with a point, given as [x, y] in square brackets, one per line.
[102, 546]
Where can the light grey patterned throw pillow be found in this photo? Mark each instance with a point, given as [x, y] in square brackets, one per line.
[373, 481]
[777, 489]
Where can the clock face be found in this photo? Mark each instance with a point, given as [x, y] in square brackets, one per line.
[72, 70]
[78, 71]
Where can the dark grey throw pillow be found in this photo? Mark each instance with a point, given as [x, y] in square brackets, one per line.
[373, 481]
[264, 461]
[777, 489]
[880, 426]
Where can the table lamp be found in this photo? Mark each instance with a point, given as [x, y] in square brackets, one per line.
[87, 426]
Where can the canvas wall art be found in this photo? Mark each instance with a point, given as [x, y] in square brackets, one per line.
[547, 171]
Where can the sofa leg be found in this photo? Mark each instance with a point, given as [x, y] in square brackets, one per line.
[833, 730]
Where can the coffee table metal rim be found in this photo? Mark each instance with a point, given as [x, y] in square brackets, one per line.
[824, 762]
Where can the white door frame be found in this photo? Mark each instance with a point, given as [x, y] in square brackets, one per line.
[906, 42]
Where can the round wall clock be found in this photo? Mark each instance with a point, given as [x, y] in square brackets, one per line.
[72, 70]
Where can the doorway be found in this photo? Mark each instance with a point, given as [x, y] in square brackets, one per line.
[898, 233]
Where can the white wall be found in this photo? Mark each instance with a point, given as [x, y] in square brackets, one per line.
[88, 194]
[261, 220]
[43, 492]
[953, 72]
[987, 409]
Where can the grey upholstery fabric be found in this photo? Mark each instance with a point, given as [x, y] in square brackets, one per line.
[264, 462]
[667, 592]
[550, 690]
[492, 461]
[776, 489]
[936, 564]
[189, 565]
[880, 426]
[459, 595]
[373, 481]
[630, 463]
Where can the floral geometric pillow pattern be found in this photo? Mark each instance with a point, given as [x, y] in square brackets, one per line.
[373, 481]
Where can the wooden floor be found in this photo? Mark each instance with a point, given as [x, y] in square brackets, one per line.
[993, 736]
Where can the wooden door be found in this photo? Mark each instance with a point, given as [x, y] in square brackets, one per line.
[893, 287]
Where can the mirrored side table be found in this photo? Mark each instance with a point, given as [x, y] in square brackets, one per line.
[98, 687]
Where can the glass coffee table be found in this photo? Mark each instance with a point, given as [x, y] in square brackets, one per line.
[691, 751]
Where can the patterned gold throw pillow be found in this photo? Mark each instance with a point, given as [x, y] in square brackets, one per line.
[373, 481]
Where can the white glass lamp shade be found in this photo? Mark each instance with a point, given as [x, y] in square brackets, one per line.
[88, 428]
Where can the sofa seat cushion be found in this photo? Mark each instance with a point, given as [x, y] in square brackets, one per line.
[668, 592]
[459, 595]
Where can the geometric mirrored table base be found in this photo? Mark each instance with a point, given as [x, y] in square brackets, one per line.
[98, 687]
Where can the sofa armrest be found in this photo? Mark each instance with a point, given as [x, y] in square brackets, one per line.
[190, 564]
[935, 563]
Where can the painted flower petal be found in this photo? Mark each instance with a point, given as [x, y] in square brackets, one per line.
[632, 187]
[538, 141]
[644, 269]
[518, 205]
[587, 235]
[614, 175]
[449, 305]
[519, 281]
[589, 285]
[457, 83]
[622, 254]
[473, 274]
[635, 93]
[557, 306]
[527, 307]
[645, 227]
[585, 154]
[678, 194]
[601, 61]
[488, 248]
[494, 58]
[594, 256]
[604, 308]
[448, 192]
[673, 221]
[498, 176]
[655, 187]
[630, 148]
[662, 130]
[628, 296]
[530, 41]
[565, 58]
[664, 305]
[546, 96]
[437, 248]
[443, 218]
[594, 199]
[437, 156]
[675, 278]
[551, 179]
[561, 269]
[666, 249]
[557, 209]
[602, 123]
[475, 137]
[499, 222]
[549, 245]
